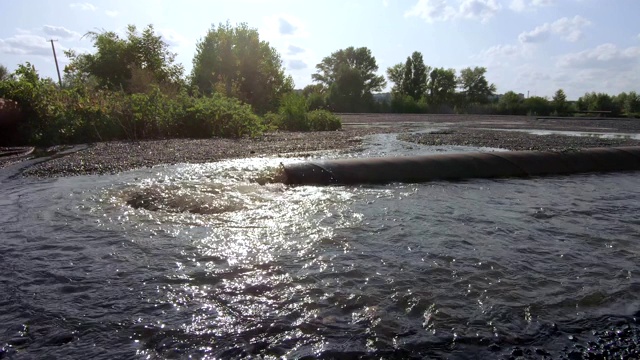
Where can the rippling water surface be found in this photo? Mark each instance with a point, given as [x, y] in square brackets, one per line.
[202, 261]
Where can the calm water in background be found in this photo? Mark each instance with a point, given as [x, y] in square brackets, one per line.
[215, 265]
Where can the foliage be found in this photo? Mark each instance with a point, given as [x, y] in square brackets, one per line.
[537, 106]
[474, 86]
[404, 103]
[316, 96]
[411, 77]
[350, 77]
[597, 102]
[4, 73]
[441, 86]
[293, 113]
[218, 115]
[235, 62]
[132, 64]
[628, 103]
[323, 120]
[86, 114]
[559, 102]
[510, 104]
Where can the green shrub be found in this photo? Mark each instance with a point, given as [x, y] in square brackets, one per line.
[271, 121]
[316, 101]
[323, 120]
[293, 113]
[218, 115]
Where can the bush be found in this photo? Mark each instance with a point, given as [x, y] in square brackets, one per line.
[271, 121]
[293, 113]
[323, 120]
[218, 115]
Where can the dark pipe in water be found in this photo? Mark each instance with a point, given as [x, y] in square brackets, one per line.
[461, 166]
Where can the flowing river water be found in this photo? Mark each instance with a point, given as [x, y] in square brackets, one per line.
[202, 261]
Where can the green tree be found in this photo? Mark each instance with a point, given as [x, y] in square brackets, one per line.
[4, 73]
[234, 61]
[474, 86]
[537, 106]
[441, 87]
[316, 96]
[559, 102]
[416, 76]
[631, 104]
[510, 104]
[132, 63]
[350, 77]
[395, 74]
[597, 102]
[411, 77]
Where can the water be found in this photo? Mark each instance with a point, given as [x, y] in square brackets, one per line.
[201, 261]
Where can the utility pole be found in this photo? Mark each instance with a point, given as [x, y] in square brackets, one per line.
[55, 58]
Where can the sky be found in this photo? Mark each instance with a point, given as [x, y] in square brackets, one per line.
[527, 46]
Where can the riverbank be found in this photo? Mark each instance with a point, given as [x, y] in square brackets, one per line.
[471, 130]
[118, 156]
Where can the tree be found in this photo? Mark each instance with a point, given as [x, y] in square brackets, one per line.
[234, 61]
[510, 104]
[474, 85]
[133, 63]
[411, 77]
[4, 73]
[441, 86]
[350, 77]
[396, 76]
[559, 102]
[537, 106]
[597, 102]
[631, 104]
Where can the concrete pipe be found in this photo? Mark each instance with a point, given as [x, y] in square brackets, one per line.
[461, 166]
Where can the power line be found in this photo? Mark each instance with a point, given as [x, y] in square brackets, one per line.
[55, 58]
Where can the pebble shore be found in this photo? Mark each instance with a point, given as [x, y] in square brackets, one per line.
[465, 130]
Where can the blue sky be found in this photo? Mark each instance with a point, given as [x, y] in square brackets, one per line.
[526, 45]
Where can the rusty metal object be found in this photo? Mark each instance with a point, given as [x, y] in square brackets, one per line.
[461, 166]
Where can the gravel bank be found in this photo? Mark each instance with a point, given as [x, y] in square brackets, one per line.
[514, 140]
[468, 130]
[113, 157]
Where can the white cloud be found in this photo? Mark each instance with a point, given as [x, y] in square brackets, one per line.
[569, 29]
[608, 56]
[531, 5]
[294, 50]
[443, 10]
[83, 6]
[60, 31]
[479, 9]
[25, 44]
[172, 37]
[296, 64]
[501, 51]
[111, 13]
[518, 5]
[283, 26]
[385, 3]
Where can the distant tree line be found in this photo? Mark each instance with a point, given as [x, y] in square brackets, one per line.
[347, 80]
[130, 87]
